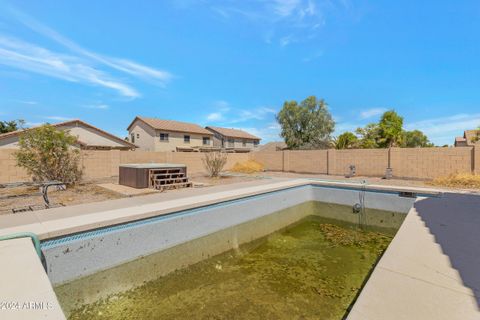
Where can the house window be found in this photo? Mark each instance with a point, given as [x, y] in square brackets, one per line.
[244, 143]
[133, 137]
[231, 143]
[255, 143]
[138, 135]
[186, 139]
[206, 141]
[164, 137]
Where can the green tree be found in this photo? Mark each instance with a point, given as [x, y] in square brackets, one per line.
[477, 137]
[369, 136]
[9, 126]
[415, 139]
[48, 154]
[346, 140]
[307, 125]
[390, 130]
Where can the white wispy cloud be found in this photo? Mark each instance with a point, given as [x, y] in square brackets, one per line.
[253, 114]
[222, 104]
[80, 65]
[215, 116]
[285, 41]
[29, 102]
[100, 106]
[29, 124]
[282, 21]
[370, 113]
[267, 134]
[313, 56]
[57, 118]
[222, 108]
[285, 8]
[341, 127]
[124, 65]
[226, 115]
[22, 55]
[443, 130]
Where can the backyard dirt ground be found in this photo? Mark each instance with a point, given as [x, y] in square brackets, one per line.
[88, 192]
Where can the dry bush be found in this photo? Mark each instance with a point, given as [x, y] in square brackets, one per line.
[249, 166]
[459, 180]
[214, 162]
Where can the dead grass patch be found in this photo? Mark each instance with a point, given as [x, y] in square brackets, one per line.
[460, 180]
[249, 166]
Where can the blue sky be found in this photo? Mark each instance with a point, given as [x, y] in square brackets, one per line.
[234, 63]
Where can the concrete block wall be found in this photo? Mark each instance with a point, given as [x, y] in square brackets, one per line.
[314, 161]
[98, 164]
[368, 162]
[142, 157]
[430, 163]
[476, 158]
[272, 160]
[194, 162]
[412, 163]
[9, 172]
[416, 163]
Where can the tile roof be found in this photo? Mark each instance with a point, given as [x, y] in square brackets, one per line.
[171, 125]
[469, 135]
[70, 122]
[233, 133]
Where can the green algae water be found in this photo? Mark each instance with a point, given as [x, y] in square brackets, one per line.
[311, 270]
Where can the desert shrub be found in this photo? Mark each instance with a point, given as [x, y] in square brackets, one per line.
[214, 162]
[47, 154]
[249, 166]
[460, 180]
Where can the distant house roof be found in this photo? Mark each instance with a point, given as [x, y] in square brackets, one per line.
[233, 133]
[171, 125]
[467, 139]
[272, 146]
[75, 122]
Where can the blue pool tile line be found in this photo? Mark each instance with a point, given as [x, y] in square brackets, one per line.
[133, 224]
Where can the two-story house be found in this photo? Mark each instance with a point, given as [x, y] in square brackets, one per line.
[233, 140]
[469, 138]
[152, 134]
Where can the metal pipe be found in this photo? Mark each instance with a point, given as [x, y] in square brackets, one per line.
[31, 235]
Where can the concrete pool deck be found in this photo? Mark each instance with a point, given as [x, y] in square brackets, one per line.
[26, 292]
[430, 270]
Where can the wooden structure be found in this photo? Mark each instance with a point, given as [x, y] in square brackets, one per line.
[158, 176]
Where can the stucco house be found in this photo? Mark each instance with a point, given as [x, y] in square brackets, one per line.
[468, 139]
[152, 134]
[233, 140]
[88, 137]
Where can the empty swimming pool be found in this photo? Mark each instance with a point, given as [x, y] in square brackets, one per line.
[315, 245]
